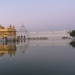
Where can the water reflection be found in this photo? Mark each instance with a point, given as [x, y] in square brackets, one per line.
[28, 43]
[23, 45]
[7, 48]
[72, 44]
[41, 57]
[10, 47]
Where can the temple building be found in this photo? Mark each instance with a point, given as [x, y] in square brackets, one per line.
[22, 33]
[7, 33]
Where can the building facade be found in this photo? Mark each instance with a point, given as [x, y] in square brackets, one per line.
[7, 33]
[23, 33]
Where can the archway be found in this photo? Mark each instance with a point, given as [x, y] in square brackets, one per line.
[24, 37]
[6, 39]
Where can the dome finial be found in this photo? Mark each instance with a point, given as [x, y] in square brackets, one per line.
[10, 25]
[13, 27]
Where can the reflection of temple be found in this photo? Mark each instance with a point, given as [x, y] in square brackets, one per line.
[23, 45]
[7, 48]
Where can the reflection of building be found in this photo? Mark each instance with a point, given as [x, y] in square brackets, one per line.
[7, 48]
[22, 45]
[28, 43]
[48, 43]
[23, 33]
[7, 33]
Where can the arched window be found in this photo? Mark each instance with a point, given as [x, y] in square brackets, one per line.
[21, 36]
[24, 36]
[3, 37]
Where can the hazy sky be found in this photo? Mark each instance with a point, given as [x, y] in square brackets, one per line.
[38, 15]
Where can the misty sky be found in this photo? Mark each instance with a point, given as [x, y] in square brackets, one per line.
[38, 15]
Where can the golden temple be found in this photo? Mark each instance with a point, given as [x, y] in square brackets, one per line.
[7, 33]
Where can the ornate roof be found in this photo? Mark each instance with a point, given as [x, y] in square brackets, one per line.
[22, 29]
[1, 27]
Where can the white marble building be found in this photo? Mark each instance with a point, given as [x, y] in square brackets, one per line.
[23, 33]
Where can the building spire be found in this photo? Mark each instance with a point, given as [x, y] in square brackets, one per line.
[22, 23]
[22, 26]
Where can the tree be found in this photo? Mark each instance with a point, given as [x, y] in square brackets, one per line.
[72, 33]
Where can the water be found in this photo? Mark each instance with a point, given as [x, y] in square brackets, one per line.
[37, 57]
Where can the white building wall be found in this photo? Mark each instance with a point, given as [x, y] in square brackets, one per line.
[10, 37]
[48, 34]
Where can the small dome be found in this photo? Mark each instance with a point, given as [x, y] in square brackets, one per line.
[1, 26]
[10, 25]
[13, 27]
